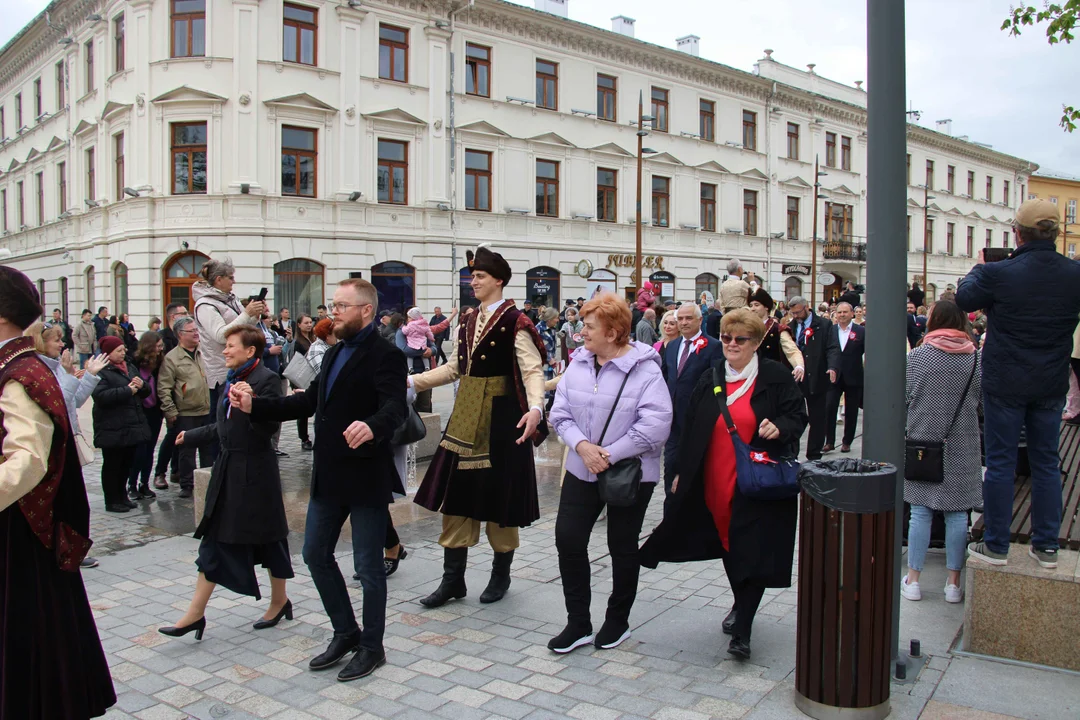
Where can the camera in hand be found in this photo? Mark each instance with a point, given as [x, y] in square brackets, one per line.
[995, 254]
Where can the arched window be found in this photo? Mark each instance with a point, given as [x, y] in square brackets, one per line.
[931, 294]
[706, 282]
[178, 276]
[792, 287]
[466, 297]
[91, 296]
[601, 281]
[64, 309]
[298, 285]
[396, 283]
[542, 286]
[120, 288]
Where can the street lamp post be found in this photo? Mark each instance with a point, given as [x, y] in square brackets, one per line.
[818, 173]
[927, 197]
[641, 151]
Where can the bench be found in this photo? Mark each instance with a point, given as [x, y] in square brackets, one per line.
[1069, 536]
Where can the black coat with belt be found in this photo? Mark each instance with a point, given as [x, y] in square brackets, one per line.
[762, 532]
[243, 501]
[821, 352]
[370, 388]
[119, 420]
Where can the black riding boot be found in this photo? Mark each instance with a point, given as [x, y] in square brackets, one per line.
[500, 578]
[452, 586]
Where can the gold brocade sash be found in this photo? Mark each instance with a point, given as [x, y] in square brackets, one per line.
[469, 431]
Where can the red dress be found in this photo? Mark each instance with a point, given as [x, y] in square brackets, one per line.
[720, 459]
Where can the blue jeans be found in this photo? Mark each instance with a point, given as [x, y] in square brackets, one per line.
[83, 357]
[1003, 422]
[324, 521]
[919, 538]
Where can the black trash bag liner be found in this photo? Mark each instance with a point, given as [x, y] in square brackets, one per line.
[850, 484]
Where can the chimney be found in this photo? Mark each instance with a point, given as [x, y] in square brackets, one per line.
[689, 45]
[810, 67]
[943, 126]
[555, 7]
[623, 25]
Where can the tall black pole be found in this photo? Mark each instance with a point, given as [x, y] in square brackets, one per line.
[886, 256]
[638, 284]
[813, 239]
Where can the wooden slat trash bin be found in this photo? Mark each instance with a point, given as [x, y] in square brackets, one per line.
[845, 615]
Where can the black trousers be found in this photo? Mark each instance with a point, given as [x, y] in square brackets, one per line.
[144, 453]
[579, 506]
[302, 429]
[853, 396]
[392, 539]
[115, 465]
[440, 356]
[816, 409]
[168, 453]
[186, 463]
[748, 594]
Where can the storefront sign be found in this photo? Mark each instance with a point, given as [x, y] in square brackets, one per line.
[662, 277]
[795, 270]
[826, 278]
[648, 262]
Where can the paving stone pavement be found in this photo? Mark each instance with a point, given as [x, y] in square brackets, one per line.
[461, 661]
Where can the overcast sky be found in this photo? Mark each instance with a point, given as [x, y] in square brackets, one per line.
[996, 89]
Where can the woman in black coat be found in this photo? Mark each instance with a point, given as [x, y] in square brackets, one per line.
[243, 523]
[119, 422]
[706, 504]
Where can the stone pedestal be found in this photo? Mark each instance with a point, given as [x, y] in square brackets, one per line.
[1023, 612]
[426, 447]
[202, 481]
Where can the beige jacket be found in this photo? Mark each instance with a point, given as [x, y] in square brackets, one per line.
[733, 293]
[181, 386]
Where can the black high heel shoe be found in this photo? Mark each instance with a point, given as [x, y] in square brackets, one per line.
[286, 611]
[198, 626]
[390, 564]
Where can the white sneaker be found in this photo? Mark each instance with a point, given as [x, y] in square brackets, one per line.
[910, 591]
[953, 594]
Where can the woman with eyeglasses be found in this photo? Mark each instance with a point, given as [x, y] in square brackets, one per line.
[707, 517]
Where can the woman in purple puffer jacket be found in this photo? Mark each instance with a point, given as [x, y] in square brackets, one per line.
[639, 428]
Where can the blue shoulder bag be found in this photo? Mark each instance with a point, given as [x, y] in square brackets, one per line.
[758, 476]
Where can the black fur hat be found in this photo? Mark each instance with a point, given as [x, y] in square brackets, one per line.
[762, 297]
[19, 301]
[492, 263]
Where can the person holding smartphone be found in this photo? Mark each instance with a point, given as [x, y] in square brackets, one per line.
[1031, 300]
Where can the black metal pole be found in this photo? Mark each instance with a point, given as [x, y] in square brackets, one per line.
[886, 256]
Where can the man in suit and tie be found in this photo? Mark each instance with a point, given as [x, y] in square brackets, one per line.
[821, 354]
[358, 402]
[851, 339]
[915, 326]
[683, 362]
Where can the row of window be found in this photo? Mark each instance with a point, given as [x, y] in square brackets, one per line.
[950, 238]
[950, 183]
[1070, 207]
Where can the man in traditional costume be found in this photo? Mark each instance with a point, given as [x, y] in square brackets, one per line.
[52, 665]
[483, 470]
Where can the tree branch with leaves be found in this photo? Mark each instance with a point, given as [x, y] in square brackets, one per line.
[1061, 21]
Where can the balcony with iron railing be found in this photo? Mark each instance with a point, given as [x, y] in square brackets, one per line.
[845, 248]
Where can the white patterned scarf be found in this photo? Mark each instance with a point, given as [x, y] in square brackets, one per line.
[749, 374]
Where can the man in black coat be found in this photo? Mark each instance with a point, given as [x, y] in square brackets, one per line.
[173, 311]
[915, 326]
[821, 354]
[712, 321]
[851, 340]
[358, 402]
[850, 295]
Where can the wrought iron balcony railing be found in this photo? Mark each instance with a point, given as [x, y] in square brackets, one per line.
[844, 250]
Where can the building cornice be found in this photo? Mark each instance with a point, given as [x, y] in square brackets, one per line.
[38, 40]
[923, 137]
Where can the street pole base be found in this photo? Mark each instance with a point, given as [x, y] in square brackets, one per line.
[819, 711]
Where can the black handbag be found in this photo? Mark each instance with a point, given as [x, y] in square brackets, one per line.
[619, 483]
[924, 461]
[412, 430]
[757, 475]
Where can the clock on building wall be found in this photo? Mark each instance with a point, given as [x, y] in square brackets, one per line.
[584, 268]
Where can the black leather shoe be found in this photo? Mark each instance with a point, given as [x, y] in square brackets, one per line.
[306, 445]
[197, 627]
[145, 493]
[116, 508]
[500, 578]
[339, 648]
[186, 492]
[364, 663]
[286, 612]
[391, 564]
[128, 501]
[728, 626]
[739, 648]
[452, 586]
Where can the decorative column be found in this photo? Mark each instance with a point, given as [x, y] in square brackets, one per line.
[350, 20]
[244, 159]
[140, 144]
[437, 152]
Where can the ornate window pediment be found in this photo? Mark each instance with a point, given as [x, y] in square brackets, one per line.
[614, 149]
[553, 139]
[113, 108]
[55, 144]
[302, 101]
[481, 126]
[84, 126]
[796, 181]
[185, 93]
[754, 173]
[395, 115]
